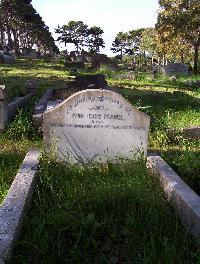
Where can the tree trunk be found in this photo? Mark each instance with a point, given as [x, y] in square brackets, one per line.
[2, 38]
[182, 56]
[196, 56]
[16, 42]
[9, 39]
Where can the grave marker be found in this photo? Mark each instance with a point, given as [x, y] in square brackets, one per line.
[95, 125]
[174, 69]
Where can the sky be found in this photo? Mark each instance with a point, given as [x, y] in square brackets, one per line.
[112, 16]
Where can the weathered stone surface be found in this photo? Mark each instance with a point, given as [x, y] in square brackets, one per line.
[18, 103]
[95, 125]
[33, 54]
[52, 104]
[41, 107]
[174, 69]
[186, 132]
[192, 132]
[90, 81]
[74, 64]
[2, 92]
[184, 199]
[31, 86]
[13, 207]
[9, 59]
[127, 76]
[64, 93]
[3, 107]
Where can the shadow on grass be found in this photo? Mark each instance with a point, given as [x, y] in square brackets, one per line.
[101, 215]
[9, 165]
[186, 164]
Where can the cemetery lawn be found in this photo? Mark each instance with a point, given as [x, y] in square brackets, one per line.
[135, 223]
[101, 214]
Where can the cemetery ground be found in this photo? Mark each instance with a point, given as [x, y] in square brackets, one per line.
[108, 213]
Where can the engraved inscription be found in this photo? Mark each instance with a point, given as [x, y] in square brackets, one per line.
[96, 125]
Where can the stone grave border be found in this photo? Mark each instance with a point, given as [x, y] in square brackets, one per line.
[180, 195]
[12, 210]
[12, 107]
[192, 133]
[41, 107]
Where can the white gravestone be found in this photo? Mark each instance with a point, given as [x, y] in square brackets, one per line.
[3, 107]
[95, 125]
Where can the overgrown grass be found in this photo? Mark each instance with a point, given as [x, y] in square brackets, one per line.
[168, 109]
[9, 165]
[107, 214]
[101, 214]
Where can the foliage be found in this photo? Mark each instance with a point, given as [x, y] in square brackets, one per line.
[24, 27]
[78, 33]
[179, 19]
[120, 44]
[95, 40]
[74, 32]
[127, 43]
[107, 213]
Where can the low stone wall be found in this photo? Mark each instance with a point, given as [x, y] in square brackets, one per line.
[75, 64]
[12, 209]
[174, 69]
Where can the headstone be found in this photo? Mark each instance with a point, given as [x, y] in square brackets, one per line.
[127, 76]
[74, 64]
[95, 125]
[31, 86]
[173, 79]
[174, 69]
[24, 51]
[1, 58]
[9, 59]
[90, 81]
[33, 54]
[3, 107]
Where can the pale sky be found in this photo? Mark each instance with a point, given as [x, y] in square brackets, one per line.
[112, 16]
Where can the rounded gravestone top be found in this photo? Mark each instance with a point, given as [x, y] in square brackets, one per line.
[96, 125]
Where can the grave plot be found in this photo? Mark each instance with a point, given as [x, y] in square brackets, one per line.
[106, 211]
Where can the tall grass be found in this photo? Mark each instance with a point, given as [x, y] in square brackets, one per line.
[101, 214]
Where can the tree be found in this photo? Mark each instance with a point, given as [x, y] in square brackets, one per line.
[180, 19]
[149, 42]
[74, 32]
[95, 40]
[23, 27]
[120, 44]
